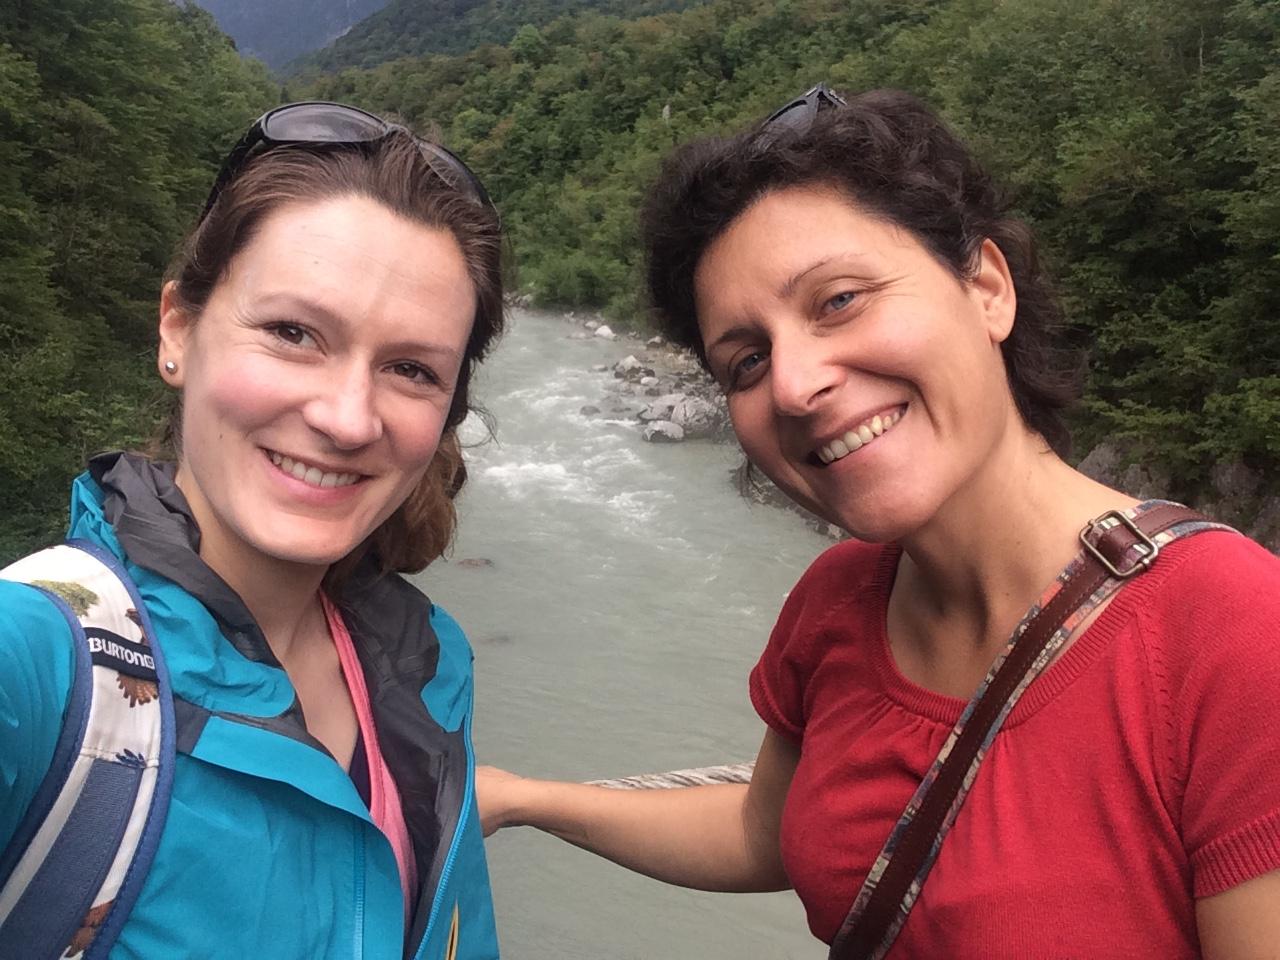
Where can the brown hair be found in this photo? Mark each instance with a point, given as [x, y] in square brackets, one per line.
[394, 172]
[895, 159]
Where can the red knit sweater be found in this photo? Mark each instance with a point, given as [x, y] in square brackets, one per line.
[1140, 771]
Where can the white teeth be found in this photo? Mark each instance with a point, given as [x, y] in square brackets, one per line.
[312, 476]
[858, 437]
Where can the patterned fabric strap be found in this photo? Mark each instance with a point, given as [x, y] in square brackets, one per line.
[1115, 547]
[77, 861]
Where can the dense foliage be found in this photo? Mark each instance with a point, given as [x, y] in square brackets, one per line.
[278, 31]
[1142, 137]
[112, 117]
[413, 28]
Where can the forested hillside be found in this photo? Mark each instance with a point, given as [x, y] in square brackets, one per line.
[1141, 137]
[412, 28]
[278, 31]
[113, 117]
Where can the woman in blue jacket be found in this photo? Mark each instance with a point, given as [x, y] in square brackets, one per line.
[320, 328]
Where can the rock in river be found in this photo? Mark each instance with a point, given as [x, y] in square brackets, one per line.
[663, 431]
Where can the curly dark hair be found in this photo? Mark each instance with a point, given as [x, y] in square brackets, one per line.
[895, 159]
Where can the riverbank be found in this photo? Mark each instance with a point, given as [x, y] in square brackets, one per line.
[664, 388]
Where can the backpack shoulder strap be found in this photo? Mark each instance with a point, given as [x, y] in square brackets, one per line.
[78, 860]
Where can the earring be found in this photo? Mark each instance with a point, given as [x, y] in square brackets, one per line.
[170, 367]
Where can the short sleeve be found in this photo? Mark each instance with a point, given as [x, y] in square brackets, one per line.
[36, 665]
[1216, 663]
[780, 678]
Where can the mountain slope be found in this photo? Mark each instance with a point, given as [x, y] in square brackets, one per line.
[410, 28]
[278, 31]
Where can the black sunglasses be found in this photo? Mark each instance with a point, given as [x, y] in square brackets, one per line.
[320, 123]
[799, 113]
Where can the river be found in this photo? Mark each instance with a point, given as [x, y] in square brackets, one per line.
[630, 591]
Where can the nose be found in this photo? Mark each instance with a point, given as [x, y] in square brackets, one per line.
[801, 373]
[344, 407]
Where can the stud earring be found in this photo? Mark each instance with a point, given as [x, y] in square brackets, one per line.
[170, 367]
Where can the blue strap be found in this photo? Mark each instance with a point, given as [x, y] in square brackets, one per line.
[74, 720]
[53, 909]
[56, 902]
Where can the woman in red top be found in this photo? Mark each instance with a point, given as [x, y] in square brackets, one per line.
[883, 334]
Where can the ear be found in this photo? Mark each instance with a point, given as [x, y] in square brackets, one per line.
[176, 324]
[993, 286]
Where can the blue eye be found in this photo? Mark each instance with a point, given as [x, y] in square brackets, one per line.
[744, 369]
[840, 301]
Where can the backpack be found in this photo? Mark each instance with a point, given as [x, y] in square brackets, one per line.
[77, 862]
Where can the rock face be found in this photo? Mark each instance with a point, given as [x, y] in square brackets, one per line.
[1237, 497]
[663, 431]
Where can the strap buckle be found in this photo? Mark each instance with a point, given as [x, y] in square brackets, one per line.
[1149, 549]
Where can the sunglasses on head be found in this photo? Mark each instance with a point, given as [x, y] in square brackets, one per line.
[320, 123]
[799, 113]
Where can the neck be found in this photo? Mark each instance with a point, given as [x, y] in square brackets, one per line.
[989, 553]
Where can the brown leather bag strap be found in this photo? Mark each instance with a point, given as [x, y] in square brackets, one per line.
[1114, 546]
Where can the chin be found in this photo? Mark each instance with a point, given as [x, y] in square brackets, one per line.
[317, 550]
[871, 519]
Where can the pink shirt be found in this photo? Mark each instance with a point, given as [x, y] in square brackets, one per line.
[384, 798]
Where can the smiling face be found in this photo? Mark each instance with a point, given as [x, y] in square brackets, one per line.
[863, 377]
[317, 379]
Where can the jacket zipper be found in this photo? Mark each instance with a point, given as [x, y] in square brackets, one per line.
[357, 945]
[467, 799]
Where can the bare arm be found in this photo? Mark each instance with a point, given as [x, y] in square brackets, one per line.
[722, 837]
[1242, 923]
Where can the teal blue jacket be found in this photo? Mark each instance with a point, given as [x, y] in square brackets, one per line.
[268, 851]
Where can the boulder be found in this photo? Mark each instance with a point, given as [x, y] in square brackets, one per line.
[603, 331]
[631, 369]
[628, 365]
[592, 324]
[663, 431]
[590, 410]
[660, 408]
[698, 417]
[648, 381]
[654, 342]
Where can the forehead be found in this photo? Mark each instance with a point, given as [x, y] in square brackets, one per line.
[344, 244]
[767, 248]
